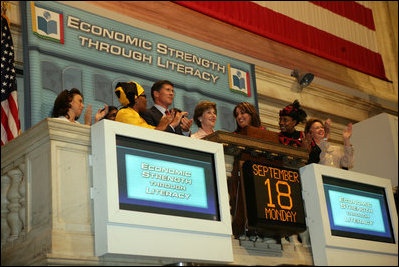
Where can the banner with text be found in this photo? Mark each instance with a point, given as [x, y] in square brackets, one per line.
[69, 48]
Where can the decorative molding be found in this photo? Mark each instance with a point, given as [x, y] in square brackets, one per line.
[5, 228]
[272, 85]
[22, 200]
[276, 90]
[14, 206]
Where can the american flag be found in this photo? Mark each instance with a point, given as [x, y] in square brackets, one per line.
[341, 31]
[10, 125]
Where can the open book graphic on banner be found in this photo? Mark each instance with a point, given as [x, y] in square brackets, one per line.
[239, 81]
[47, 24]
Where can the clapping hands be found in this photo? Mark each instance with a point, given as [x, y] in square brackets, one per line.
[99, 115]
[181, 119]
[186, 123]
[164, 122]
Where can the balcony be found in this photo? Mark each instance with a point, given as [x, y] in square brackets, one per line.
[47, 210]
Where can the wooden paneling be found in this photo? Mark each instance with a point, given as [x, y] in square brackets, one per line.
[184, 21]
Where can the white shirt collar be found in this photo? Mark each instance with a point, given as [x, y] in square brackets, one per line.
[160, 108]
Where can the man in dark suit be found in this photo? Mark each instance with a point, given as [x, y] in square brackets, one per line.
[162, 93]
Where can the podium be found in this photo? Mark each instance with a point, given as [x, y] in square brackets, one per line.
[154, 185]
[248, 190]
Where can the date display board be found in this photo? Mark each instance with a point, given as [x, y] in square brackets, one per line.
[274, 204]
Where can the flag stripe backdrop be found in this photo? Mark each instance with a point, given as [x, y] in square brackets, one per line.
[355, 49]
[350, 10]
[7, 135]
[10, 125]
[325, 20]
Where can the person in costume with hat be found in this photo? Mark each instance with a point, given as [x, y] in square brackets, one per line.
[291, 116]
[131, 96]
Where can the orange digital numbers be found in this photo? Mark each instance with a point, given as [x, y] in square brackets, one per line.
[279, 195]
[270, 204]
[284, 194]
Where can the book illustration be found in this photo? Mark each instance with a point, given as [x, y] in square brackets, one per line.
[46, 25]
[239, 81]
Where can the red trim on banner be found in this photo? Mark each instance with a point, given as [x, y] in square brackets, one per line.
[62, 28]
[283, 29]
[249, 88]
[350, 10]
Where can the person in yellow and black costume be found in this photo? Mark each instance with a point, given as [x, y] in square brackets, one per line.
[131, 96]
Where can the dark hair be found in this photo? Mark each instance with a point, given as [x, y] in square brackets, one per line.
[110, 108]
[62, 103]
[201, 108]
[157, 86]
[309, 124]
[250, 109]
[295, 111]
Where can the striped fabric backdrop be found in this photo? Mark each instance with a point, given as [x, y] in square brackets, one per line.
[10, 124]
[340, 31]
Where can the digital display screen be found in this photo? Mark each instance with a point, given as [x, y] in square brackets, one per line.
[357, 210]
[273, 198]
[163, 179]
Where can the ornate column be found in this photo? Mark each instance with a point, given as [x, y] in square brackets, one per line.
[22, 200]
[14, 206]
[5, 228]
